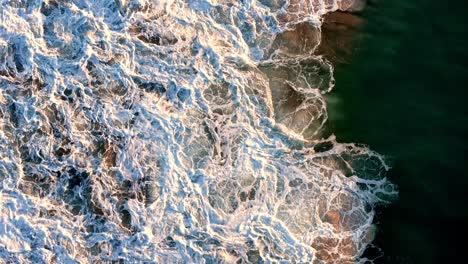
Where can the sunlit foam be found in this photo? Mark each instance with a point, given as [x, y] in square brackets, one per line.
[176, 132]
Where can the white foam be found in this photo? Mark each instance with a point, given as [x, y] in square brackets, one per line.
[175, 131]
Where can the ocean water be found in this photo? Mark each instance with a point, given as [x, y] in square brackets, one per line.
[170, 131]
[403, 92]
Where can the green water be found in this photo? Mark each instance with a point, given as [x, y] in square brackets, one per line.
[404, 93]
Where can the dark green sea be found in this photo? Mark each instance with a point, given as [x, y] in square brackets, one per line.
[404, 93]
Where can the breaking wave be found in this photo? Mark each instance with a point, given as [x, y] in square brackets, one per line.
[172, 131]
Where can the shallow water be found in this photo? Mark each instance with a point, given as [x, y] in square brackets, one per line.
[404, 93]
[176, 132]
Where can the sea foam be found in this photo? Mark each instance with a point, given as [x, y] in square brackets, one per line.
[171, 131]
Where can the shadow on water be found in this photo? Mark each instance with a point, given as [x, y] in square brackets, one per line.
[403, 93]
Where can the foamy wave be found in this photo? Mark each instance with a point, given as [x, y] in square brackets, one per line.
[176, 132]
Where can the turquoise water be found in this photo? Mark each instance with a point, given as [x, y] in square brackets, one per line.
[404, 93]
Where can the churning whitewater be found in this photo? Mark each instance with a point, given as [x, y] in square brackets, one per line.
[176, 131]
